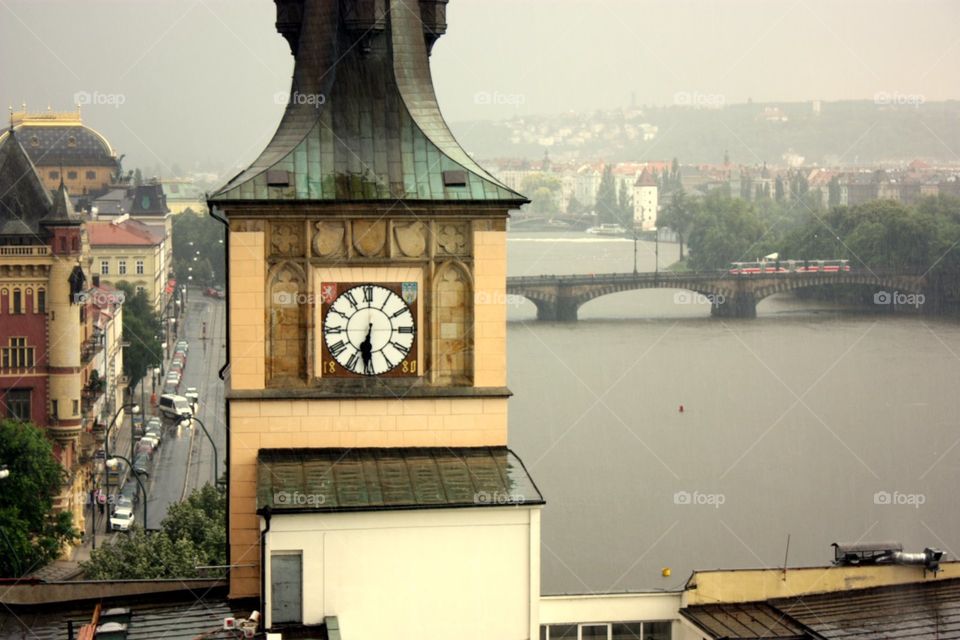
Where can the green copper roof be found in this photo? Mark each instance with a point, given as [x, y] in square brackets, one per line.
[328, 480]
[363, 121]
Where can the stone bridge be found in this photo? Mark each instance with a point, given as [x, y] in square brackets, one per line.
[735, 296]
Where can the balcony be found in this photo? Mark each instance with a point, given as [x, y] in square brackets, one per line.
[24, 251]
[91, 395]
[90, 347]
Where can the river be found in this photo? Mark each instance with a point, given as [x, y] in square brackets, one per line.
[822, 424]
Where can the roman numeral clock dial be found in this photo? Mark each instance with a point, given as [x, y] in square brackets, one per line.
[369, 329]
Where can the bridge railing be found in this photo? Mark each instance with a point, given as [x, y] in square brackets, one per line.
[688, 276]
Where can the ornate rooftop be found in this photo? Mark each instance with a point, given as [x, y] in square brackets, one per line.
[362, 121]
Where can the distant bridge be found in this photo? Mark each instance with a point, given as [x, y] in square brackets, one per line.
[732, 296]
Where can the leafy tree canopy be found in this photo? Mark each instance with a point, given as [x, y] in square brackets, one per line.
[31, 534]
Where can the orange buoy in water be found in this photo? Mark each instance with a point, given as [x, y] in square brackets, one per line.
[681, 408]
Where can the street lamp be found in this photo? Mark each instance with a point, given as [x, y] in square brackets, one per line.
[113, 463]
[4, 473]
[186, 422]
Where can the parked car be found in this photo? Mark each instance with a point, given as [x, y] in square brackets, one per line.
[183, 345]
[154, 424]
[140, 463]
[175, 407]
[172, 380]
[146, 446]
[121, 501]
[131, 491]
[137, 422]
[122, 519]
[214, 292]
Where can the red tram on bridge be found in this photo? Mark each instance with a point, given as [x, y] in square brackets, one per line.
[788, 266]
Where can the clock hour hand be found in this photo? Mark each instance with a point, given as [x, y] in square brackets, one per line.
[366, 350]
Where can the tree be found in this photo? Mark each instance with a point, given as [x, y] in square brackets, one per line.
[778, 189]
[725, 230]
[192, 534]
[202, 237]
[625, 206]
[679, 215]
[544, 192]
[833, 192]
[142, 331]
[607, 206]
[574, 206]
[31, 534]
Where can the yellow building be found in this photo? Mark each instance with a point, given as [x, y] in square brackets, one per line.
[367, 354]
[128, 251]
[62, 148]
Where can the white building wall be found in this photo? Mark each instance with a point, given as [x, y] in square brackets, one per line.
[438, 573]
[645, 203]
[626, 607]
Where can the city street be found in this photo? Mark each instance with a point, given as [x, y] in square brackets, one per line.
[184, 461]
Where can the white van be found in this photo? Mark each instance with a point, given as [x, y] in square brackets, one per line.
[175, 407]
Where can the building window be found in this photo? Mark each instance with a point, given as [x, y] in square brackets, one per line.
[104, 267]
[71, 175]
[41, 300]
[72, 141]
[122, 267]
[76, 243]
[607, 631]
[286, 588]
[17, 301]
[139, 267]
[141, 289]
[91, 175]
[54, 175]
[54, 410]
[76, 407]
[17, 355]
[18, 404]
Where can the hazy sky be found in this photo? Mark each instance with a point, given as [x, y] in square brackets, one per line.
[192, 81]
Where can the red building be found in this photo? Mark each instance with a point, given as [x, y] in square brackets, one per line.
[47, 342]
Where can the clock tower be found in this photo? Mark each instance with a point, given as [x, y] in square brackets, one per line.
[366, 386]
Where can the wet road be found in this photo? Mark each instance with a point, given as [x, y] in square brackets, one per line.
[184, 460]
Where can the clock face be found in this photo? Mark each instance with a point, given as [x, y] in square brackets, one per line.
[369, 329]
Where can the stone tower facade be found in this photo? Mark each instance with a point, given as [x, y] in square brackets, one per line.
[367, 327]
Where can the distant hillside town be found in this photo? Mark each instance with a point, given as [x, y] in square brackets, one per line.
[639, 190]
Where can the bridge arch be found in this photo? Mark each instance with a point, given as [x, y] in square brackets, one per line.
[559, 297]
